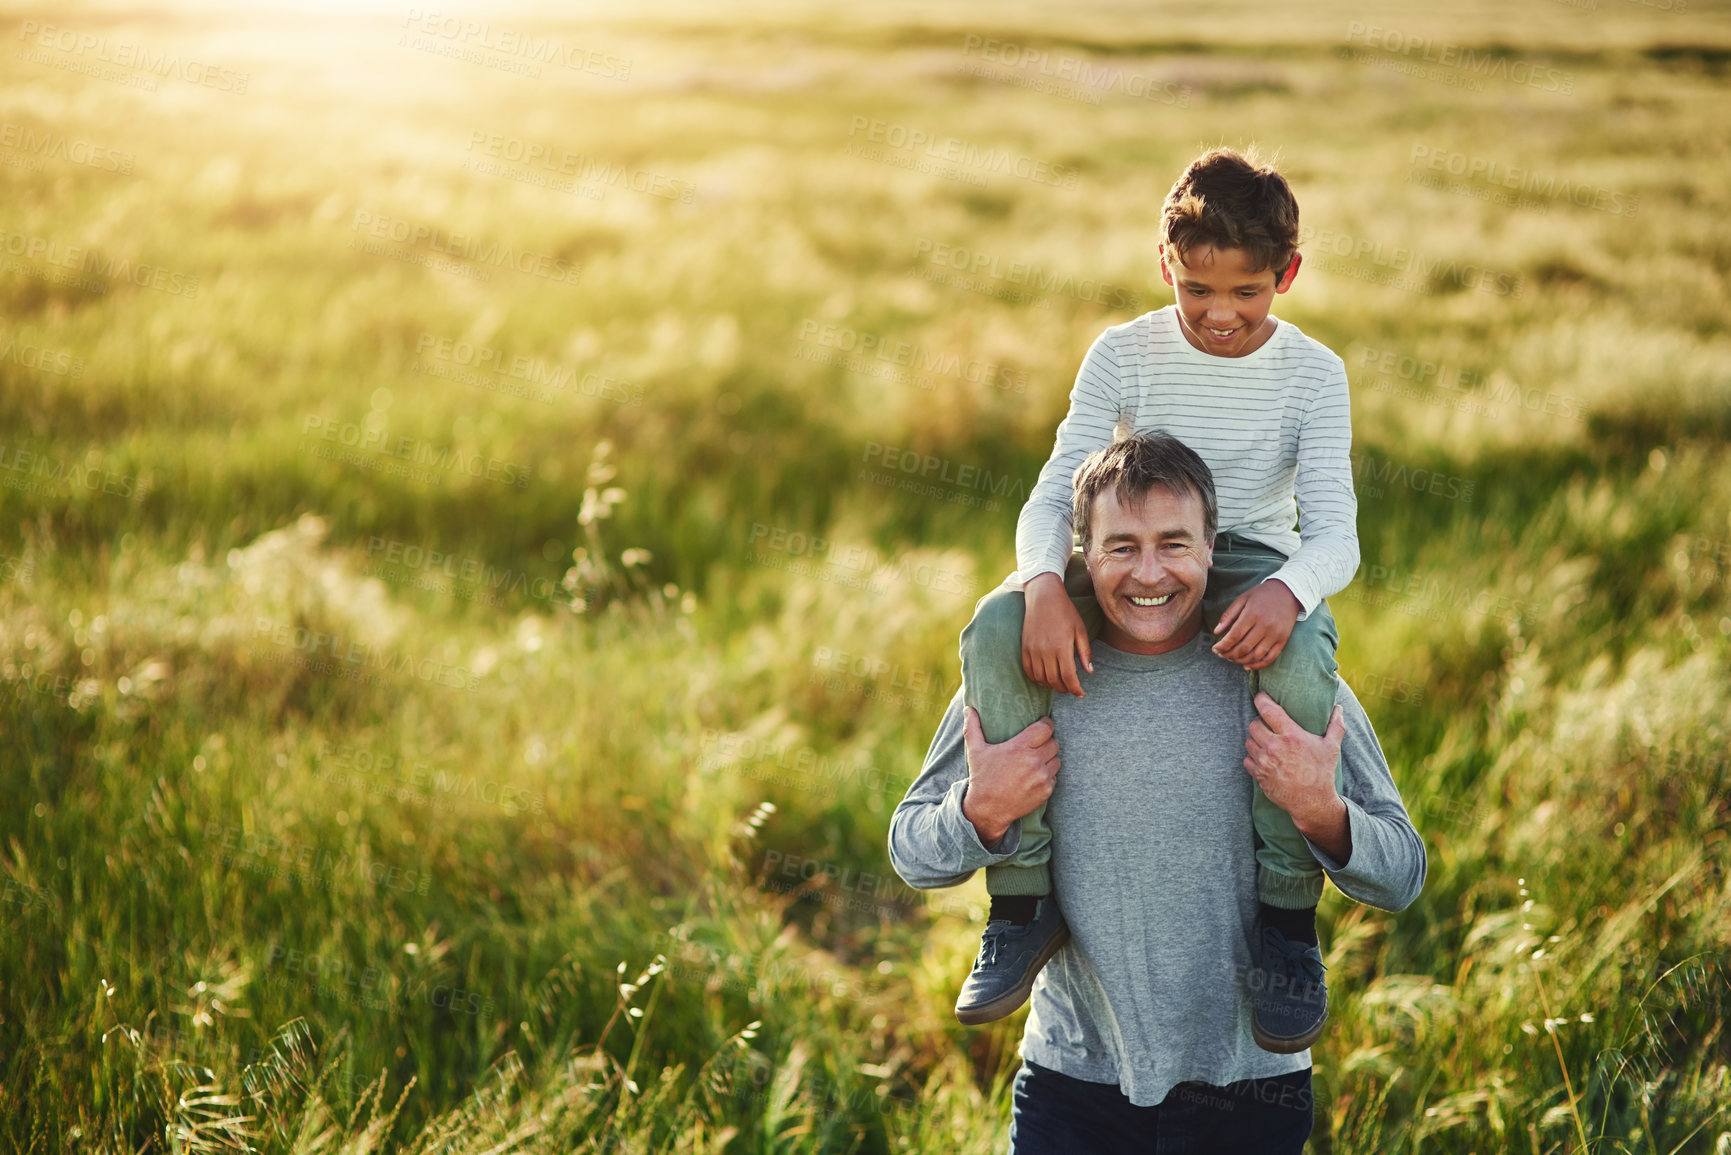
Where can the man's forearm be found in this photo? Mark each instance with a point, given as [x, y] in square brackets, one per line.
[1330, 830]
[988, 830]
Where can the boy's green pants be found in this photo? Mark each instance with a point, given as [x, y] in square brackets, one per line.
[1302, 680]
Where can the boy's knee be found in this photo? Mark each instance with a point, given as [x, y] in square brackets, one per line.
[996, 628]
[1305, 681]
[1303, 665]
[1309, 653]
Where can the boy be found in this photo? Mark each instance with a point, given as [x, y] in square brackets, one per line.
[1266, 407]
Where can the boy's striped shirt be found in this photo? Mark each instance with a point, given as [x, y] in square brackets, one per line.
[1274, 427]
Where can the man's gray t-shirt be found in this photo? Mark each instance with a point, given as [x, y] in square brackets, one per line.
[1153, 862]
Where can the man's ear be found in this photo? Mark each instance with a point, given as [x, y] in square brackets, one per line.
[1285, 281]
[1165, 273]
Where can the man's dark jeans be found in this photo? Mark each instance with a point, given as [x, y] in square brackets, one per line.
[1054, 1114]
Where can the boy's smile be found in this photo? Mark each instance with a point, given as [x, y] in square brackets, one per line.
[1223, 305]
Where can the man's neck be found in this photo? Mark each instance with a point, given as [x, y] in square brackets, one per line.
[1181, 637]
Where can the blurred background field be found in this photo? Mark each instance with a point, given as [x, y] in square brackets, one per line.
[490, 498]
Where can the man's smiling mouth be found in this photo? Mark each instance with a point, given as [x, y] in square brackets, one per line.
[1148, 602]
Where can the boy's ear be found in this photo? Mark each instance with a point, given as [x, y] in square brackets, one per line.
[1165, 273]
[1285, 281]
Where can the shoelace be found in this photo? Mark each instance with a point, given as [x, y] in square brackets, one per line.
[1295, 963]
[989, 942]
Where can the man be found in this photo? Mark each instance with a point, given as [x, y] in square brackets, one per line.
[1139, 1036]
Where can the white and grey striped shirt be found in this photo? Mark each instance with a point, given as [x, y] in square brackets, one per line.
[1274, 427]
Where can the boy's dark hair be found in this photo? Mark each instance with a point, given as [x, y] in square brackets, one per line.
[1232, 201]
[1135, 465]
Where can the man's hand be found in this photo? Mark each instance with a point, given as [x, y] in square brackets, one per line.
[1295, 769]
[1052, 634]
[1009, 779]
[1257, 625]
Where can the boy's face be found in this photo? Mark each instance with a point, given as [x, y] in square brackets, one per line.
[1149, 562]
[1222, 304]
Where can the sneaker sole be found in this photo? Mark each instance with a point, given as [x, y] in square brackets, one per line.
[1005, 1004]
[1287, 1045]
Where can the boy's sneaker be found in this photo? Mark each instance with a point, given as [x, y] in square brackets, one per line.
[1289, 995]
[1010, 957]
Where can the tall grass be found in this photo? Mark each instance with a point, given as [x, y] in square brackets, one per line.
[573, 839]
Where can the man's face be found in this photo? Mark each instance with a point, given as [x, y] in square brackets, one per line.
[1149, 562]
[1222, 304]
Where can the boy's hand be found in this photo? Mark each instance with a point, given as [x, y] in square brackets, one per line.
[1256, 624]
[1052, 633]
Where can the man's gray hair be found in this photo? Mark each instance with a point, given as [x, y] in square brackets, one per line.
[1137, 464]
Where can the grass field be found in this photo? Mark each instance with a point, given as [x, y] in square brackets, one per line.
[489, 501]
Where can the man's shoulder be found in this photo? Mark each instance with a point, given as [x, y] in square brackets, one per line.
[1214, 667]
[1353, 713]
[1231, 681]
